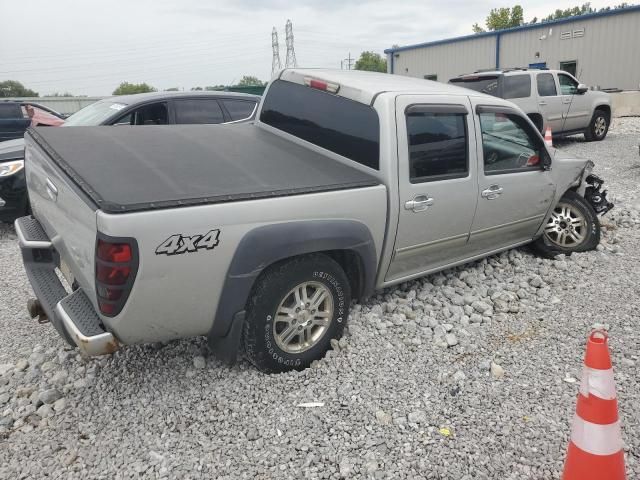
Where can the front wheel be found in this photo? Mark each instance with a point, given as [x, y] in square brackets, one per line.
[572, 227]
[598, 127]
[295, 309]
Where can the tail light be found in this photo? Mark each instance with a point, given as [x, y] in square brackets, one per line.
[116, 269]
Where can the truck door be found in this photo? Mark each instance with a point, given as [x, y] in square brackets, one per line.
[515, 190]
[551, 106]
[437, 182]
[577, 108]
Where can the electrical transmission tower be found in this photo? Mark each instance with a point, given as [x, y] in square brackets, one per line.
[291, 53]
[275, 63]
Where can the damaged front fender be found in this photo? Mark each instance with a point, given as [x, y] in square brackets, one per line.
[589, 186]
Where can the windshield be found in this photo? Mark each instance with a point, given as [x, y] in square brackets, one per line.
[94, 114]
[484, 84]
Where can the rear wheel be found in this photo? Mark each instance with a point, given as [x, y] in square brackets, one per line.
[572, 227]
[598, 127]
[295, 309]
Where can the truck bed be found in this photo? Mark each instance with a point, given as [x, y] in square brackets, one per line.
[125, 169]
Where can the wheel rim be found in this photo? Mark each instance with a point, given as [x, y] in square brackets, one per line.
[600, 126]
[567, 226]
[303, 317]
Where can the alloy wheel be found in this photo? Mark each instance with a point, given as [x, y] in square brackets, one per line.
[566, 227]
[303, 317]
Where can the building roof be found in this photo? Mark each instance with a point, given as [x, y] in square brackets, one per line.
[588, 16]
[362, 86]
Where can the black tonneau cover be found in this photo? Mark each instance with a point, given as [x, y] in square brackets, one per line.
[126, 169]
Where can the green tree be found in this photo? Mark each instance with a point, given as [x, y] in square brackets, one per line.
[214, 88]
[250, 81]
[126, 88]
[372, 62]
[196, 89]
[12, 88]
[501, 18]
[58, 94]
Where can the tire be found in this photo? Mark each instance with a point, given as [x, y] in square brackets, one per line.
[572, 227]
[598, 127]
[292, 340]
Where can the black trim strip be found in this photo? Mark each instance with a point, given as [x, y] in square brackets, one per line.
[495, 109]
[436, 108]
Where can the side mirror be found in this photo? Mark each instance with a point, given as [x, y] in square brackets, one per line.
[582, 89]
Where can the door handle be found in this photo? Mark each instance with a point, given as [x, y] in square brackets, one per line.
[542, 103]
[419, 203]
[566, 100]
[52, 191]
[493, 192]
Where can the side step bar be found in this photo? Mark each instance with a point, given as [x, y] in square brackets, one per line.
[31, 234]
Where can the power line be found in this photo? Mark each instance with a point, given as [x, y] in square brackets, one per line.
[349, 62]
[275, 60]
[291, 53]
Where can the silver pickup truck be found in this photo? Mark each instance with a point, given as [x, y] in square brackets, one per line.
[261, 235]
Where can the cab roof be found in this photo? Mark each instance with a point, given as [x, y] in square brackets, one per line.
[364, 86]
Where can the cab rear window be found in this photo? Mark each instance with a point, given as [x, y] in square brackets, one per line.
[345, 127]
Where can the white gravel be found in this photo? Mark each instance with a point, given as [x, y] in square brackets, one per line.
[467, 374]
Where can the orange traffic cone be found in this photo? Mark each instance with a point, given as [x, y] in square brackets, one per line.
[548, 138]
[595, 450]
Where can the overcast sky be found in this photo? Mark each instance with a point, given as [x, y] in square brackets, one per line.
[89, 47]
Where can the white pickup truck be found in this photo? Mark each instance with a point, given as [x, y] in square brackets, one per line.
[261, 235]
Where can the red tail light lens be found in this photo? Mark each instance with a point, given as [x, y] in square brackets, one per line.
[116, 269]
[114, 252]
[113, 275]
[112, 294]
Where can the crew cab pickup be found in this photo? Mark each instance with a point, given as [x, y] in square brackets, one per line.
[261, 235]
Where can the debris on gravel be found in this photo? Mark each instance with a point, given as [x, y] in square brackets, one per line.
[470, 373]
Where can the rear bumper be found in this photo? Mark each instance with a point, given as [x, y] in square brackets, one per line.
[72, 314]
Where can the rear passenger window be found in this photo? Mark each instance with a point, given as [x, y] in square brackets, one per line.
[437, 143]
[546, 85]
[517, 86]
[509, 144]
[239, 109]
[343, 126]
[198, 111]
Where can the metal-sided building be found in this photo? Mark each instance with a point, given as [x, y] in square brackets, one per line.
[601, 49]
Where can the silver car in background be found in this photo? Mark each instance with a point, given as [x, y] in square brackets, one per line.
[551, 99]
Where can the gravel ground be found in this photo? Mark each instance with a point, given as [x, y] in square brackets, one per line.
[467, 374]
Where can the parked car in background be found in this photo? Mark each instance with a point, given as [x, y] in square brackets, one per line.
[14, 121]
[551, 98]
[261, 235]
[43, 116]
[158, 108]
[16, 117]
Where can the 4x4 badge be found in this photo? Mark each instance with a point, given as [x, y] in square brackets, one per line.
[178, 244]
